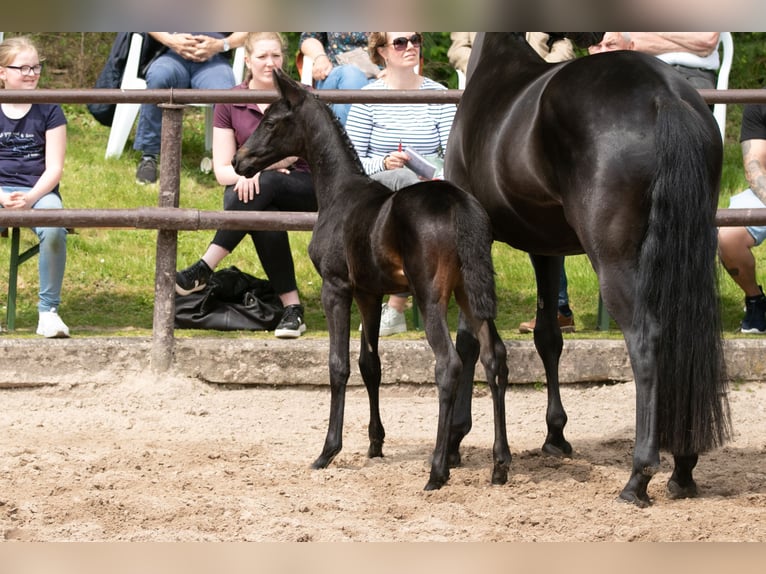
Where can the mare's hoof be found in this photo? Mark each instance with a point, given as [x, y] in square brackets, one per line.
[676, 491]
[560, 450]
[435, 483]
[322, 462]
[632, 498]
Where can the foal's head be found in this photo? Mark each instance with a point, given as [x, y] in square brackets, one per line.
[281, 133]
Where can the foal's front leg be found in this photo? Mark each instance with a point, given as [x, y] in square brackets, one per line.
[336, 301]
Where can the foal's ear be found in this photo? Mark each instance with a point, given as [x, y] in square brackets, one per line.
[288, 88]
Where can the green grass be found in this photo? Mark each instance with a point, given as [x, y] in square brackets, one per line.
[109, 283]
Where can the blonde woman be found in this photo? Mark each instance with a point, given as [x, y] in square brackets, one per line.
[285, 186]
[381, 133]
[32, 149]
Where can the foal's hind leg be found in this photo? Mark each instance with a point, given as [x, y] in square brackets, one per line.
[468, 350]
[549, 343]
[369, 366]
[495, 361]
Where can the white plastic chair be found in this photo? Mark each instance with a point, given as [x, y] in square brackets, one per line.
[125, 114]
[719, 110]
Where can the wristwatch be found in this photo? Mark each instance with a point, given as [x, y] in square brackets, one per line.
[226, 46]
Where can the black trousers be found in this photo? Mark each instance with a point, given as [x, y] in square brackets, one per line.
[279, 192]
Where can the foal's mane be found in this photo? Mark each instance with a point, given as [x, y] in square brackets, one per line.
[338, 127]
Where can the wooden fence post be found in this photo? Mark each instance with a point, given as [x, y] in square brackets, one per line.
[163, 341]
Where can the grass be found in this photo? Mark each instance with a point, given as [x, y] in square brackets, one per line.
[109, 283]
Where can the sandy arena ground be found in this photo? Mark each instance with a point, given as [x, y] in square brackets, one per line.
[143, 459]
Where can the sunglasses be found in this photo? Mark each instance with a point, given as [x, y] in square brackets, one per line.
[400, 43]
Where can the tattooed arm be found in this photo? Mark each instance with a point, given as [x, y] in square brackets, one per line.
[754, 159]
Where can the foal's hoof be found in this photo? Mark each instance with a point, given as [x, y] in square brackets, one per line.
[375, 450]
[500, 474]
[676, 491]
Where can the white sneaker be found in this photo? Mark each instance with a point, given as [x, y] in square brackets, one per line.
[51, 326]
[391, 321]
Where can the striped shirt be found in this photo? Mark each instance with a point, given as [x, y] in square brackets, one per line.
[379, 129]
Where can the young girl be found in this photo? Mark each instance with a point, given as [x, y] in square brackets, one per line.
[32, 148]
[284, 186]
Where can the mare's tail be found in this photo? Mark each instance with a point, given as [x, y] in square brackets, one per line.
[678, 282]
[474, 247]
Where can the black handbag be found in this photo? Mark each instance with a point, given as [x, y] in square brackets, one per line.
[231, 301]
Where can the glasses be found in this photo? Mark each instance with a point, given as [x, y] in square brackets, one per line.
[28, 70]
[400, 43]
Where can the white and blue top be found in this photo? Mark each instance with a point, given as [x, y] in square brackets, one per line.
[378, 129]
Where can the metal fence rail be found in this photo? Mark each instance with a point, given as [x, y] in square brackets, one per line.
[168, 218]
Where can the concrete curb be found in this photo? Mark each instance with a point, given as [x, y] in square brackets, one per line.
[25, 362]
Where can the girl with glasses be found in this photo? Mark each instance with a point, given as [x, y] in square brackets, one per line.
[32, 149]
[382, 133]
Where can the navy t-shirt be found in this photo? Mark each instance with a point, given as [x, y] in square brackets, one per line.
[22, 144]
[753, 122]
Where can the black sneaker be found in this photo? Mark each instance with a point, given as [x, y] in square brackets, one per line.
[291, 326]
[147, 170]
[193, 278]
[755, 315]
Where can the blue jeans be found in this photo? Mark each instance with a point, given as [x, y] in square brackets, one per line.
[346, 77]
[52, 259]
[171, 71]
[748, 200]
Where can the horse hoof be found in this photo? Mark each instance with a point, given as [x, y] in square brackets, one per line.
[632, 498]
[562, 450]
[375, 450]
[500, 475]
[676, 491]
[321, 462]
[434, 485]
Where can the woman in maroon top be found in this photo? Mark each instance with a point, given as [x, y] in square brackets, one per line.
[284, 186]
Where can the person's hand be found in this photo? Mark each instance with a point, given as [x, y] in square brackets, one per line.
[395, 160]
[14, 200]
[321, 68]
[195, 48]
[248, 187]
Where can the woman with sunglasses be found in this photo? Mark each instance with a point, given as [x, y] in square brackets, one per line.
[381, 133]
[32, 148]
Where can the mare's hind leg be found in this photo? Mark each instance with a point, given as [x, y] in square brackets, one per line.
[549, 343]
[468, 350]
[681, 483]
[369, 366]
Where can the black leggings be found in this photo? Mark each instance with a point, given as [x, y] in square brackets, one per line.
[279, 192]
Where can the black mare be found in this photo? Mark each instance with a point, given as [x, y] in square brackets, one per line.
[613, 155]
[431, 239]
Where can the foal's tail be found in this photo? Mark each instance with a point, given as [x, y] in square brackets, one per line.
[678, 283]
[474, 248]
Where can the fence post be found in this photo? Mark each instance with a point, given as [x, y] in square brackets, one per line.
[163, 341]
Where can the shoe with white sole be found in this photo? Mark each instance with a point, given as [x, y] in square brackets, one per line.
[51, 326]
